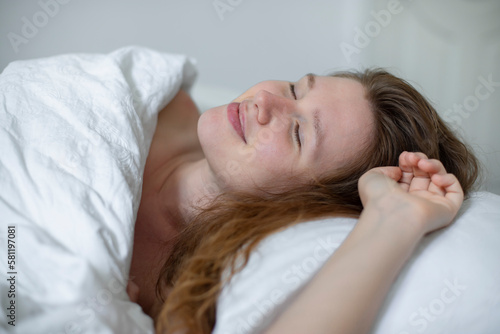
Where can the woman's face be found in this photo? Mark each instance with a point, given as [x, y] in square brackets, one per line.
[278, 133]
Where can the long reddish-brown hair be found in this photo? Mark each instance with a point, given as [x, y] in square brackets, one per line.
[208, 251]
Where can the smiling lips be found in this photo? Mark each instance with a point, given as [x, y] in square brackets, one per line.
[233, 115]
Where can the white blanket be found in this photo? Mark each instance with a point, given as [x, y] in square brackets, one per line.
[75, 131]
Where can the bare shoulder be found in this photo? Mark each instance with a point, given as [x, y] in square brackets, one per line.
[176, 131]
[181, 114]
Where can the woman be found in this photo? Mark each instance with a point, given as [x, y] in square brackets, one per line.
[281, 153]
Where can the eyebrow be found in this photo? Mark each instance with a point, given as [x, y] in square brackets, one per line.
[310, 81]
[318, 129]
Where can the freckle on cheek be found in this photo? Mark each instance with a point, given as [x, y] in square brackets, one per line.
[265, 136]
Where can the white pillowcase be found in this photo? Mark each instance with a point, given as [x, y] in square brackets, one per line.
[75, 131]
[450, 285]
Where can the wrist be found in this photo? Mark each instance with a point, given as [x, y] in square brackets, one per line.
[394, 212]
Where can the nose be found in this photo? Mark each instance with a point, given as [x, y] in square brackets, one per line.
[269, 105]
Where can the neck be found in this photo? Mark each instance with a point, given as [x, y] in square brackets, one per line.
[189, 187]
[183, 189]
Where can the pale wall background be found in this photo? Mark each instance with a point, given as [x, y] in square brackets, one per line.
[447, 48]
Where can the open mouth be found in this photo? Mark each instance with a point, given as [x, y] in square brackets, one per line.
[233, 115]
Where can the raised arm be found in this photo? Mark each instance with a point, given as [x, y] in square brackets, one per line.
[401, 204]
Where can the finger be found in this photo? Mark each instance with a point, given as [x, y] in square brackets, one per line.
[404, 164]
[432, 167]
[390, 171]
[406, 169]
[414, 158]
[453, 190]
[421, 179]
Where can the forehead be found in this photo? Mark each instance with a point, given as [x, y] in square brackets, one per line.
[346, 120]
[336, 87]
[341, 98]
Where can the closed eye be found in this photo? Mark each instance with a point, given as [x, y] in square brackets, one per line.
[297, 136]
[292, 91]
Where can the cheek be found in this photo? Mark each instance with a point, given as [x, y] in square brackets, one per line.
[273, 160]
[266, 141]
[250, 167]
[273, 138]
[227, 159]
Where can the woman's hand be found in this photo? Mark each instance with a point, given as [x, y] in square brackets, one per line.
[418, 189]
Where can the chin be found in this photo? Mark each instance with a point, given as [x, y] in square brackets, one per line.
[206, 125]
[214, 137]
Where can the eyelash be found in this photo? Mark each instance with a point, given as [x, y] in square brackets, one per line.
[297, 137]
[296, 130]
[292, 90]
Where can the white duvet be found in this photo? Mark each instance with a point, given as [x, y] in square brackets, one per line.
[74, 136]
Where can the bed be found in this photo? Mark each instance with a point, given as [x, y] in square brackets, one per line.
[74, 135]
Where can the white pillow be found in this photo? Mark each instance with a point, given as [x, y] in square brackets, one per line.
[450, 285]
[75, 132]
